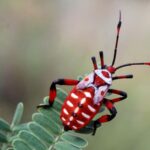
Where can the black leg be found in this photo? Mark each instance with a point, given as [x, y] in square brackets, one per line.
[109, 105]
[105, 118]
[129, 76]
[52, 91]
[118, 92]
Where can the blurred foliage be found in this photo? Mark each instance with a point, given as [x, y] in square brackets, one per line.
[44, 40]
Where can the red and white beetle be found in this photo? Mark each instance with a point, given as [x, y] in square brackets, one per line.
[86, 98]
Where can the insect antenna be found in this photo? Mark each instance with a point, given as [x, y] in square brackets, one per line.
[94, 62]
[117, 38]
[130, 64]
[101, 59]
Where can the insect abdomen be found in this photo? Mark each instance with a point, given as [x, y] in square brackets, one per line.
[78, 108]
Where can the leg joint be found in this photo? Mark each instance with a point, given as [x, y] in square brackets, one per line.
[124, 94]
[58, 81]
[113, 111]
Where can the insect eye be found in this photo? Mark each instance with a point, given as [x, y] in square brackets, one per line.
[105, 74]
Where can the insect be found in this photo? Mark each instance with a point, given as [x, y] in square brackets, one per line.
[88, 95]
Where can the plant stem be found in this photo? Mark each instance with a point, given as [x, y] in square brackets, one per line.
[56, 140]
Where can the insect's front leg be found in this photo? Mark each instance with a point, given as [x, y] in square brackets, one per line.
[118, 92]
[129, 76]
[53, 92]
[105, 118]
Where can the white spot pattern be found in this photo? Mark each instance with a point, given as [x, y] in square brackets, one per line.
[65, 111]
[76, 110]
[74, 127]
[83, 100]
[80, 122]
[69, 103]
[71, 118]
[88, 94]
[63, 118]
[91, 108]
[73, 95]
[68, 123]
[85, 115]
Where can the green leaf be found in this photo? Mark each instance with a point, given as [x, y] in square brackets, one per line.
[44, 132]
[10, 149]
[32, 140]
[3, 138]
[46, 99]
[56, 105]
[18, 115]
[51, 114]
[64, 146]
[47, 123]
[7, 134]
[74, 140]
[20, 127]
[41, 133]
[4, 125]
[21, 145]
[61, 95]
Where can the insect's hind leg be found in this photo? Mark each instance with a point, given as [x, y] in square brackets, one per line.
[53, 92]
[105, 118]
[109, 104]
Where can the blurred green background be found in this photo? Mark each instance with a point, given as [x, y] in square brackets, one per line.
[42, 40]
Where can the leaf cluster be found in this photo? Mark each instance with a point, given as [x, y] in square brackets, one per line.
[44, 132]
